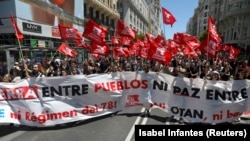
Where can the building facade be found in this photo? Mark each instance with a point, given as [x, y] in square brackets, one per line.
[232, 18]
[38, 21]
[141, 15]
[103, 12]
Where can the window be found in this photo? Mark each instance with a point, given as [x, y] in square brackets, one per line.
[205, 21]
[205, 14]
[97, 14]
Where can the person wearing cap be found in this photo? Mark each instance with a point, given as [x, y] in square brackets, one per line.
[215, 75]
[16, 66]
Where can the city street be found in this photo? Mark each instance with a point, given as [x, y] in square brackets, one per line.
[118, 127]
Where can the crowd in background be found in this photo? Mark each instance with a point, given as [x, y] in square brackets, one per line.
[180, 66]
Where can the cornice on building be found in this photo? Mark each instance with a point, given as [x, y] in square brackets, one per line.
[97, 4]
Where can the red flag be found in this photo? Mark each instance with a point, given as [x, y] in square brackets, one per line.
[209, 47]
[126, 41]
[144, 50]
[18, 33]
[123, 30]
[212, 30]
[96, 56]
[95, 32]
[121, 52]
[172, 46]
[67, 51]
[190, 52]
[114, 40]
[191, 41]
[134, 49]
[101, 50]
[159, 54]
[82, 44]
[233, 53]
[150, 37]
[69, 33]
[168, 17]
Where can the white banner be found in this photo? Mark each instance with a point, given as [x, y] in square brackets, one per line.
[54, 100]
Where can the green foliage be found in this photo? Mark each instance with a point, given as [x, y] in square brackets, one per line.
[202, 36]
[139, 36]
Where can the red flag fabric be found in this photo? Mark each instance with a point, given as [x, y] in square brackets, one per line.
[123, 30]
[172, 46]
[226, 48]
[18, 33]
[144, 50]
[159, 54]
[160, 40]
[168, 17]
[191, 41]
[233, 53]
[134, 49]
[126, 41]
[82, 44]
[95, 32]
[150, 37]
[190, 52]
[120, 52]
[114, 40]
[69, 33]
[212, 30]
[96, 56]
[208, 47]
[101, 50]
[67, 51]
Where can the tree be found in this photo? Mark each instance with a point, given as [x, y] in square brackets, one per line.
[203, 35]
[139, 36]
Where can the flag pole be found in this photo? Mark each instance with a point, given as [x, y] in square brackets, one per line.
[18, 40]
[163, 27]
[20, 51]
[207, 49]
[54, 55]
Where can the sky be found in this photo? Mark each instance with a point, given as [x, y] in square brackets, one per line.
[182, 10]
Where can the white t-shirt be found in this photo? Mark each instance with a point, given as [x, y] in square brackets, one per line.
[16, 79]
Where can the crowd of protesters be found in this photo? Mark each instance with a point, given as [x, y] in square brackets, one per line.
[180, 66]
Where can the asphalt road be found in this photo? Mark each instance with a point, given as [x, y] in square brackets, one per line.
[119, 127]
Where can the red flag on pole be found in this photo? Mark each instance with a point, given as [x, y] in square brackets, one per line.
[212, 30]
[124, 30]
[67, 51]
[95, 32]
[69, 33]
[168, 17]
[18, 33]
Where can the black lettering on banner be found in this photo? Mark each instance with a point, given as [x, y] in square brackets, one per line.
[226, 95]
[160, 85]
[185, 92]
[191, 113]
[73, 90]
